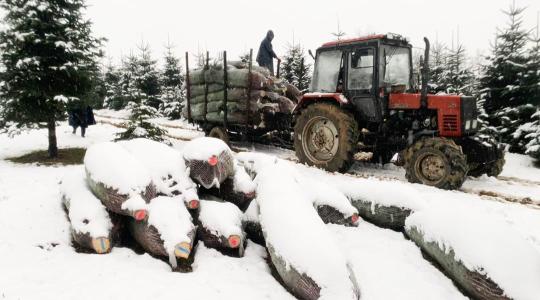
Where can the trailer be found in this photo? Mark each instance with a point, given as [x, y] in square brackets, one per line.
[260, 127]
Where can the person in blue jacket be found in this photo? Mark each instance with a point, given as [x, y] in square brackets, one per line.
[81, 117]
[266, 55]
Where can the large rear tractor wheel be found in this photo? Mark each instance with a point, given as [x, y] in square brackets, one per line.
[325, 136]
[219, 133]
[437, 162]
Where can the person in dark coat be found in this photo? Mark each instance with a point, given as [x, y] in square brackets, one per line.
[81, 117]
[266, 55]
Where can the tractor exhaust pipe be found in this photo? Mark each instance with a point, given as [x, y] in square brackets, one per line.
[425, 75]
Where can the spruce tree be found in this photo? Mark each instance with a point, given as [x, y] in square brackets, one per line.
[172, 86]
[437, 68]
[294, 68]
[113, 87]
[50, 58]
[457, 76]
[140, 125]
[147, 76]
[503, 86]
[505, 73]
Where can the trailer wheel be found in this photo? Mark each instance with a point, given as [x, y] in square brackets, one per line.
[324, 136]
[219, 133]
[437, 162]
[492, 169]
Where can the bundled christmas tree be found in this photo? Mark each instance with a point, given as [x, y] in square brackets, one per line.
[172, 86]
[50, 56]
[294, 68]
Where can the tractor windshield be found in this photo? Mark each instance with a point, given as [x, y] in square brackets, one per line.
[395, 66]
[327, 68]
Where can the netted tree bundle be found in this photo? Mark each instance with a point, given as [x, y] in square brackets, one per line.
[236, 78]
[330, 214]
[391, 217]
[473, 282]
[298, 284]
[231, 245]
[213, 171]
[200, 90]
[233, 106]
[196, 77]
[114, 200]
[233, 95]
[84, 242]
[292, 92]
[227, 192]
[149, 238]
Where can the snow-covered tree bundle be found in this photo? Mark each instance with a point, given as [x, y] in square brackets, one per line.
[301, 248]
[167, 168]
[331, 204]
[220, 227]
[119, 180]
[92, 226]
[238, 189]
[168, 232]
[252, 224]
[210, 161]
[479, 251]
[268, 94]
[383, 204]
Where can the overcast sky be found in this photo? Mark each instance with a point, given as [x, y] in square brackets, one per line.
[237, 25]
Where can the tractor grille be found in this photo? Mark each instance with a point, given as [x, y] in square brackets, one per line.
[450, 123]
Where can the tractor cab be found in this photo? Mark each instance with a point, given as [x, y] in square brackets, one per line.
[363, 70]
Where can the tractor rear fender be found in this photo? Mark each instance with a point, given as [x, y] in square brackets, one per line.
[311, 98]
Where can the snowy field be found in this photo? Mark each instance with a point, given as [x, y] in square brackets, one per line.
[37, 261]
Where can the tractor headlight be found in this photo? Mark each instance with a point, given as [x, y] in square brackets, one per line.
[475, 124]
[468, 125]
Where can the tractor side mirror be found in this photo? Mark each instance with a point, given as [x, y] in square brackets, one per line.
[311, 54]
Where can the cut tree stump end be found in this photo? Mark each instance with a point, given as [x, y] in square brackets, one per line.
[182, 250]
[101, 245]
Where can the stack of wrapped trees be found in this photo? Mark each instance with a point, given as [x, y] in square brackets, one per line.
[249, 95]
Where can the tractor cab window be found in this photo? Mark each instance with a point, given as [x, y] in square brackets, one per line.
[360, 76]
[395, 66]
[327, 70]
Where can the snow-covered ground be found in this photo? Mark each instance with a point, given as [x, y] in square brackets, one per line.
[36, 259]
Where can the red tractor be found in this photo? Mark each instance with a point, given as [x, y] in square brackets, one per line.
[363, 99]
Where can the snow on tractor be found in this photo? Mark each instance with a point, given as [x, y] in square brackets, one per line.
[362, 101]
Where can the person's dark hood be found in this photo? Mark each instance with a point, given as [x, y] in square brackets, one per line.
[270, 35]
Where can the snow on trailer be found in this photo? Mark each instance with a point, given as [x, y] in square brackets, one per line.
[301, 248]
[118, 179]
[92, 227]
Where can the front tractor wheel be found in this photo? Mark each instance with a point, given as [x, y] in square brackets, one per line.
[437, 162]
[324, 136]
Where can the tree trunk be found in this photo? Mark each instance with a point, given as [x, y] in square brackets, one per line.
[53, 148]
